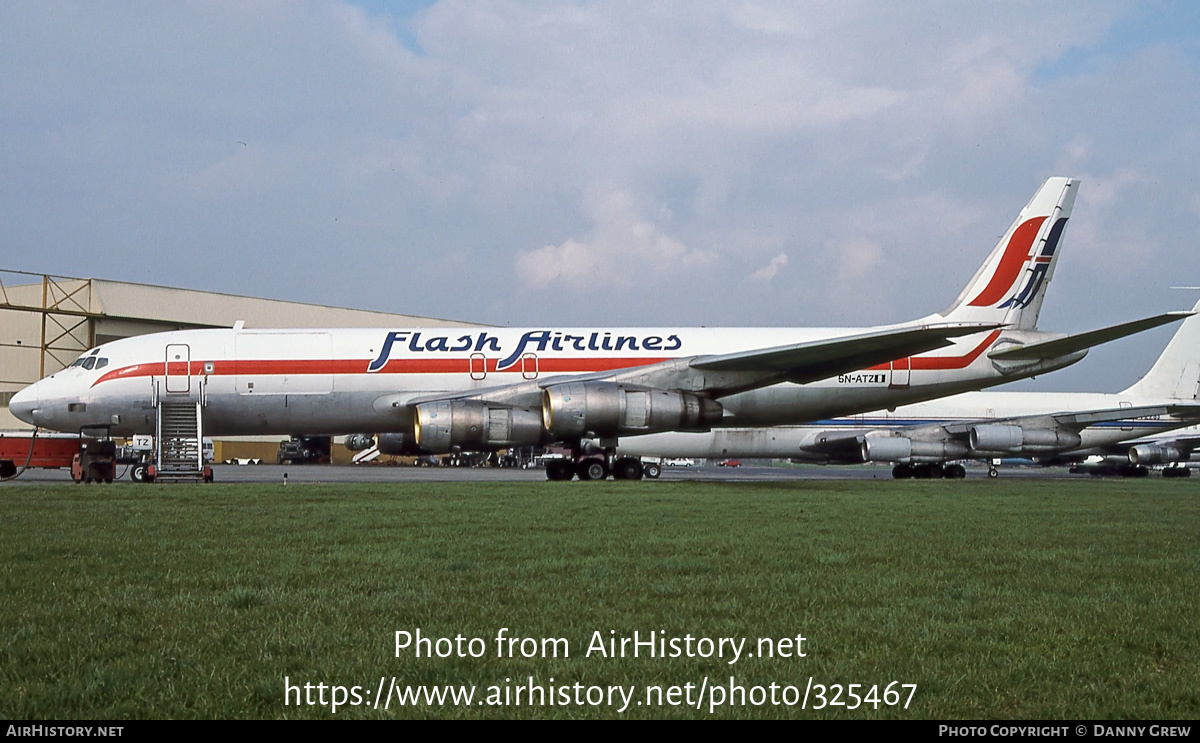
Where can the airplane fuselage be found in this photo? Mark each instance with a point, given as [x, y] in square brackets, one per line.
[336, 381]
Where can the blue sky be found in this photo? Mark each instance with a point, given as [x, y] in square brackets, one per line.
[1140, 26]
[681, 163]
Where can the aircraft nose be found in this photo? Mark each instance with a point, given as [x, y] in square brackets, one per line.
[24, 403]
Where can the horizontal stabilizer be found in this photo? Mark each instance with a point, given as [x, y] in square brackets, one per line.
[808, 362]
[1068, 344]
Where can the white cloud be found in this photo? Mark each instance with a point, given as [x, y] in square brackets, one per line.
[767, 272]
[622, 249]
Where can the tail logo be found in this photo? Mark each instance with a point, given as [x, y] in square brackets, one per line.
[1041, 266]
[1017, 257]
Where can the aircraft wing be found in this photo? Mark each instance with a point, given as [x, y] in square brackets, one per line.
[845, 443]
[1067, 344]
[1079, 420]
[808, 362]
[1185, 443]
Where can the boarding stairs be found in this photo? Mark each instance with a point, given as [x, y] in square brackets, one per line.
[178, 437]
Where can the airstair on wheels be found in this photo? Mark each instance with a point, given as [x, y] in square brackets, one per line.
[179, 422]
[179, 453]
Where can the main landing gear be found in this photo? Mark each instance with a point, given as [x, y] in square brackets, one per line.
[932, 471]
[597, 466]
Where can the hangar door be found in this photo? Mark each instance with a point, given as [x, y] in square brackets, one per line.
[282, 363]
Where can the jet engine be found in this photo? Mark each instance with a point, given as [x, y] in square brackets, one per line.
[470, 425]
[1156, 454]
[999, 437]
[360, 441]
[605, 409]
[394, 444]
[904, 449]
[397, 444]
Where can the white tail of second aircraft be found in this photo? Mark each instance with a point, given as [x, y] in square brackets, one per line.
[1011, 284]
[1176, 374]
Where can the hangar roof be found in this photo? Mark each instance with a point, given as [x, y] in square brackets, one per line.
[120, 299]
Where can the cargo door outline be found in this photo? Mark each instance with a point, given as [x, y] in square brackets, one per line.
[177, 369]
[477, 365]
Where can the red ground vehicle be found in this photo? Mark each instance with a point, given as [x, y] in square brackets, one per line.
[50, 451]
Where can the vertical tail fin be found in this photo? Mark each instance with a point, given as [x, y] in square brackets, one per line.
[1011, 284]
[1176, 374]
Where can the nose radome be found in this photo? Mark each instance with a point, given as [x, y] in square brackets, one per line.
[24, 403]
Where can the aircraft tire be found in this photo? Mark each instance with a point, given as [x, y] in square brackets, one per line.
[954, 472]
[902, 472]
[592, 469]
[993, 473]
[627, 468]
[559, 470]
[652, 470]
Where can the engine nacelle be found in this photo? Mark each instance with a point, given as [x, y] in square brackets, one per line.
[999, 437]
[471, 425]
[398, 444]
[1156, 454]
[360, 441]
[605, 409]
[904, 449]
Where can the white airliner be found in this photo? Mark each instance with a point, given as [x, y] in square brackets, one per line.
[1049, 427]
[434, 390]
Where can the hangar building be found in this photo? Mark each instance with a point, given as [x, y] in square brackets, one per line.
[47, 321]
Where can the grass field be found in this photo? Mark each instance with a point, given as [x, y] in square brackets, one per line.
[1017, 599]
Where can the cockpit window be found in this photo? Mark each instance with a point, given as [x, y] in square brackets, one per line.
[90, 362]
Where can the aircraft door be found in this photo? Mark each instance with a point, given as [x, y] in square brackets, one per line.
[177, 368]
[529, 366]
[478, 366]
